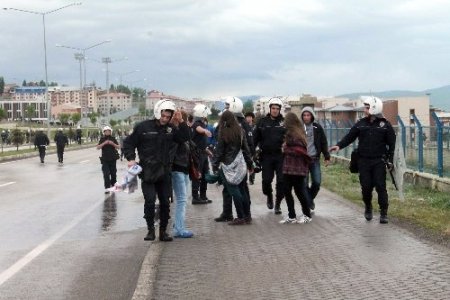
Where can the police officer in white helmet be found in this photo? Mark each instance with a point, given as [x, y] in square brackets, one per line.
[376, 150]
[156, 142]
[269, 137]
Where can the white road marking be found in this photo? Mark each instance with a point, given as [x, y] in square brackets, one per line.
[8, 183]
[84, 161]
[11, 271]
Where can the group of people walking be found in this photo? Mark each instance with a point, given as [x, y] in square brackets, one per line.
[287, 148]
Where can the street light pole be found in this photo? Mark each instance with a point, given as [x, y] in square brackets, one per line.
[81, 56]
[43, 14]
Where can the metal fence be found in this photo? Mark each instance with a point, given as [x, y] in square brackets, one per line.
[426, 148]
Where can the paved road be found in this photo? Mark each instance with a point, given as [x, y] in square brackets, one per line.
[337, 256]
[61, 237]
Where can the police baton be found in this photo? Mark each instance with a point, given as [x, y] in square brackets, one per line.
[389, 166]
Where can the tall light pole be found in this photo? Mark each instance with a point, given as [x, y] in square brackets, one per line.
[83, 52]
[107, 61]
[43, 14]
[81, 56]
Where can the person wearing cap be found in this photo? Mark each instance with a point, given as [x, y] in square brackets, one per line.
[317, 145]
[109, 145]
[269, 137]
[61, 141]
[376, 145]
[41, 141]
[250, 119]
[156, 142]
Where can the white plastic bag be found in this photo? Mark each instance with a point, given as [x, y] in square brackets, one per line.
[129, 181]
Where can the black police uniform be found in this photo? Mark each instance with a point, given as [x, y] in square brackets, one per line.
[269, 136]
[41, 141]
[376, 143]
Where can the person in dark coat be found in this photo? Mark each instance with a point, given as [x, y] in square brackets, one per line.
[376, 151]
[109, 145]
[41, 142]
[156, 142]
[61, 141]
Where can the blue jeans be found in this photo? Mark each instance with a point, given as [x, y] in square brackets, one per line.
[316, 179]
[180, 183]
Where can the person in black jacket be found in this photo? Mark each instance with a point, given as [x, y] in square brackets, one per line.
[235, 105]
[376, 147]
[200, 135]
[231, 140]
[317, 145]
[41, 141]
[61, 141]
[269, 136]
[109, 146]
[156, 142]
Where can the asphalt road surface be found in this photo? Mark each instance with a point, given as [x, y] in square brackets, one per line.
[61, 237]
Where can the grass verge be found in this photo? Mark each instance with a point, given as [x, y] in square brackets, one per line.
[424, 211]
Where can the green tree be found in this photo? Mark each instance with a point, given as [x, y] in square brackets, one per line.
[17, 137]
[2, 114]
[76, 117]
[29, 112]
[112, 122]
[93, 118]
[214, 113]
[248, 106]
[2, 85]
[64, 118]
[24, 83]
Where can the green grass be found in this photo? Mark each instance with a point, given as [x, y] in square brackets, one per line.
[422, 207]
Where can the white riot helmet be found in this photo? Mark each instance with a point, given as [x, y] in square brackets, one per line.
[106, 128]
[201, 111]
[375, 104]
[235, 105]
[165, 104]
[275, 101]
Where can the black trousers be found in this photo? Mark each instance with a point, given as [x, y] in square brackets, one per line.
[298, 184]
[272, 164]
[42, 152]
[109, 170]
[60, 151]
[201, 185]
[372, 174]
[150, 190]
[227, 210]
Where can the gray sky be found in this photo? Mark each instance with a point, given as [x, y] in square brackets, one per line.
[200, 48]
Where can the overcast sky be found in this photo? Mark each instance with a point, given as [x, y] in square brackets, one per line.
[201, 48]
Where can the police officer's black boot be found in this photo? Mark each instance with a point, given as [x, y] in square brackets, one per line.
[150, 235]
[277, 207]
[270, 201]
[383, 216]
[368, 212]
[164, 236]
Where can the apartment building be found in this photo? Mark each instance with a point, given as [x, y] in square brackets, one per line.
[109, 103]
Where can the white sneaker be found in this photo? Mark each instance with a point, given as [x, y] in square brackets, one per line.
[288, 221]
[304, 220]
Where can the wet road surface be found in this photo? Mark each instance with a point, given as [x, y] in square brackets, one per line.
[61, 237]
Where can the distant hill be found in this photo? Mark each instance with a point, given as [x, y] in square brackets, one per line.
[439, 97]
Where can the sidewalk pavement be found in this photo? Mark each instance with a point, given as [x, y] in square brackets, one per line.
[338, 255]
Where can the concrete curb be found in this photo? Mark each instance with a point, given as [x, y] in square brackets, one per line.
[147, 275]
